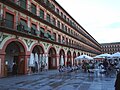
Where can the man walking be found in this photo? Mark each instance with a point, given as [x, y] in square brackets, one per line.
[117, 82]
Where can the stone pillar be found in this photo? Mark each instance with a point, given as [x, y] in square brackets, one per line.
[58, 61]
[47, 61]
[71, 58]
[3, 68]
[65, 60]
[26, 69]
[23, 60]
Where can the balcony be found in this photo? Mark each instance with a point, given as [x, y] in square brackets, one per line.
[23, 28]
[18, 28]
[26, 10]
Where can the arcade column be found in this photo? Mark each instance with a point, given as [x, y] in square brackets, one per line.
[3, 68]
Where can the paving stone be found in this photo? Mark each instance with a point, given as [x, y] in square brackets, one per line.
[53, 80]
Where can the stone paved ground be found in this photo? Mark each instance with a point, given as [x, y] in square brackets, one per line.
[53, 80]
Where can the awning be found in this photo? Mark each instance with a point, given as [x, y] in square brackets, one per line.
[49, 34]
[27, 28]
[42, 30]
[34, 28]
[52, 37]
[37, 32]
[46, 35]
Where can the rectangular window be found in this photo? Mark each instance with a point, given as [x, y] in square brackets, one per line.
[33, 29]
[69, 42]
[63, 41]
[49, 33]
[21, 25]
[41, 14]
[42, 31]
[61, 14]
[64, 17]
[62, 26]
[54, 35]
[23, 3]
[69, 30]
[68, 19]
[59, 39]
[23, 22]
[70, 22]
[53, 21]
[72, 32]
[58, 24]
[46, 2]
[65, 28]
[48, 17]
[57, 10]
[9, 20]
[72, 42]
[53, 7]
[12, 0]
[33, 8]
[66, 41]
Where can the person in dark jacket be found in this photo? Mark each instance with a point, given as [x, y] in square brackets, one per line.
[14, 69]
[105, 64]
[117, 82]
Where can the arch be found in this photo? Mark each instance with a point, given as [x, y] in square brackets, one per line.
[14, 58]
[74, 56]
[12, 40]
[52, 48]
[69, 61]
[61, 52]
[78, 54]
[52, 58]
[62, 57]
[40, 45]
[38, 49]
[82, 53]
[38, 52]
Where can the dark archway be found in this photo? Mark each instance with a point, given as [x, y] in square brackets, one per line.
[52, 60]
[14, 59]
[78, 54]
[62, 57]
[39, 58]
[79, 62]
[69, 61]
[74, 56]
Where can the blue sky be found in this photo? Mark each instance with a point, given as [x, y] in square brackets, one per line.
[100, 18]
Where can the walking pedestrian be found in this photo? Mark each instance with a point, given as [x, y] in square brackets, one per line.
[117, 82]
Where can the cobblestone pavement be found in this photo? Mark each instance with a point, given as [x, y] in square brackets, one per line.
[53, 80]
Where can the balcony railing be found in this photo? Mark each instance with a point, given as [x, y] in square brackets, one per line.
[23, 5]
[28, 8]
[32, 31]
[21, 28]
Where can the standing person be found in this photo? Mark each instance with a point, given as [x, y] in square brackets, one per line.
[46, 67]
[84, 66]
[117, 82]
[105, 64]
[14, 69]
[60, 68]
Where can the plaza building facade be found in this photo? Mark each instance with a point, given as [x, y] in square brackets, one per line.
[42, 28]
[110, 48]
